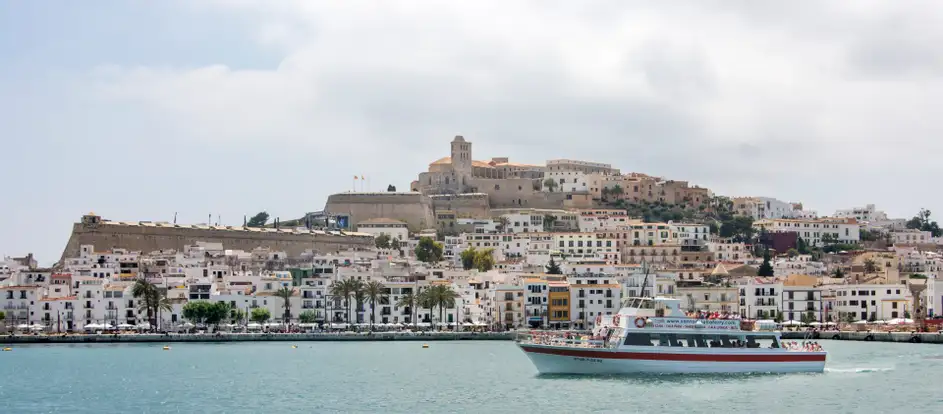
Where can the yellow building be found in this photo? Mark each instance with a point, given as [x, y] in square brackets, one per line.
[559, 309]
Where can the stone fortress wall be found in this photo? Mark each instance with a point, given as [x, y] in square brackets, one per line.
[412, 208]
[148, 237]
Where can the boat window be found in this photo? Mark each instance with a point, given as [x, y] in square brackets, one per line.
[647, 304]
[638, 339]
[700, 341]
[762, 341]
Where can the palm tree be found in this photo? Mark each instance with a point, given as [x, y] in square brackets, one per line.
[373, 289]
[339, 290]
[161, 304]
[357, 294]
[144, 291]
[444, 298]
[427, 299]
[410, 301]
[285, 293]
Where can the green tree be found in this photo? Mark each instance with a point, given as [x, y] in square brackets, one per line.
[409, 301]
[553, 268]
[550, 183]
[617, 191]
[779, 317]
[870, 266]
[739, 228]
[801, 246]
[342, 289]
[196, 311]
[605, 193]
[468, 258]
[236, 315]
[391, 188]
[838, 273]
[285, 293]
[357, 291]
[3, 316]
[216, 312]
[922, 222]
[792, 252]
[383, 241]
[765, 269]
[308, 316]
[148, 297]
[549, 219]
[484, 260]
[373, 290]
[918, 276]
[258, 220]
[428, 300]
[428, 250]
[444, 297]
[260, 315]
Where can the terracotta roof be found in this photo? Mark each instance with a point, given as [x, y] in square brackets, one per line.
[448, 161]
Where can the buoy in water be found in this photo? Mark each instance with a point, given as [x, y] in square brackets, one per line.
[166, 348]
[7, 349]
[425, 345]
[294, 347]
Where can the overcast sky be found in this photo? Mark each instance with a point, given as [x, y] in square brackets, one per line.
[136, 110]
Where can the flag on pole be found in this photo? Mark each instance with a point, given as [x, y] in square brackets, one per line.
[356, 178]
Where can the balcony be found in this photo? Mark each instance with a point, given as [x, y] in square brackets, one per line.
[13, 307]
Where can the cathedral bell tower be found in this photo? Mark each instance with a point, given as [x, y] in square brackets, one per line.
[461, 162]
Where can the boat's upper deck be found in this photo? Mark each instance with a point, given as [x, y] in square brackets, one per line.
[665, 313]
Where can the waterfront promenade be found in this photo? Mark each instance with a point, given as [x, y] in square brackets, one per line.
[248, 337]
[877, 336]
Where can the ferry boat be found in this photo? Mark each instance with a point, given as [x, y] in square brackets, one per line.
[653, 335]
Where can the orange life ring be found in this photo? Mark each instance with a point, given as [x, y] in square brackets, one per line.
[639, 322]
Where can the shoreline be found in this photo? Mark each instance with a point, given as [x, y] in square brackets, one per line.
[251, 337]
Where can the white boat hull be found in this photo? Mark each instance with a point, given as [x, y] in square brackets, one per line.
[594, 361]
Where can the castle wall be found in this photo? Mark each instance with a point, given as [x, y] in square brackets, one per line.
[464, 205]
[412, 208]
[152, 238]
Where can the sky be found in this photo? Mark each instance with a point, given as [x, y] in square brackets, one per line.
[139, 110]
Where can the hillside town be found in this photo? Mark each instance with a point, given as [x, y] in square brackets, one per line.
[557, 246]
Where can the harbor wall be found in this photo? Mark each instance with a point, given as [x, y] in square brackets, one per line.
[250, 337]
[913, 337]
[137, 237]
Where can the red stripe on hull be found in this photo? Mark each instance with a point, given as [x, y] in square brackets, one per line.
[656, 356]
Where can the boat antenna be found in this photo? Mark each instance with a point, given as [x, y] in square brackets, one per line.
[645, 281]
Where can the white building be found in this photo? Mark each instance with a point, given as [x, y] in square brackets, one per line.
[593, 296]
[911, 236]
[536, 305]
[799, 265]
[812, 231]
[873, 302]
[760, 298]
[798, 300]
[689, 234]
[726, 250]
[394, 228]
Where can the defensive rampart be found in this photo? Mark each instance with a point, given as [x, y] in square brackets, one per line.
[148, 237]
[412, 208]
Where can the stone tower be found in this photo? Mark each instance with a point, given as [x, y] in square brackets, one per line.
[461, 162]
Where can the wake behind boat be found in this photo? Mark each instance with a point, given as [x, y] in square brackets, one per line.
[653, 335]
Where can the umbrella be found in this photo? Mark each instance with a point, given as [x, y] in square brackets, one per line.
[792, 323]
[93, 326]
[899, 321]
[861, 322]
[125, 326]
[37, 327]
[23, 326]
[107, 326]
[880, 322]
[186, 325]
[815, 324]
[253, 325]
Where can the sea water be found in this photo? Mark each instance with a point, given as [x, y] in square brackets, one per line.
[459, 376]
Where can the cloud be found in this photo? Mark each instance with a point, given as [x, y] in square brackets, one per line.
[824, 103]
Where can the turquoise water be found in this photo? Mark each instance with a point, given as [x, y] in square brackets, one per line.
[481, 377]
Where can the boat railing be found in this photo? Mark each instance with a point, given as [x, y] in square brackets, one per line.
[802, 346]
[569, 339]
